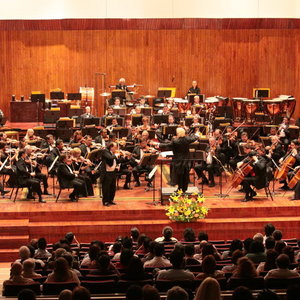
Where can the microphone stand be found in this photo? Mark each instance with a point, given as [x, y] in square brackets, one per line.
[221, 195]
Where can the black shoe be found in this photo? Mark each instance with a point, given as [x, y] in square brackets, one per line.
[149, 184]
[106, 204]
[42, 200]
[212, 184]
[284, 188]
[112, 203]
[241, 190]
[253, 194]
[126, 187]
[30, 197]
[204, 182]
[137, 184]
[4, 192]
[46, 192]
[294, 199]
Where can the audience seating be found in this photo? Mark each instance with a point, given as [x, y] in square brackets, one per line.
[123, 285]
[275, 283]
[54, 288]
[100, 287]
[251, 283]
[14, 289]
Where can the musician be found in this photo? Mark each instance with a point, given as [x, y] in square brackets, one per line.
[108, 174]
[77, 137]
[48, 144]
[180, 165]
[86, 115]
[109, 114]
[32, 164]
[164, 111]
[142, 102]
[283, 132]
[258, 179]
[114, 123]
[26, 177]
[171, 103]
[125, 167]
[137, 155]
[136, 111]
[30, 136]
[117, 103]
[275, 151]
[68, 178]
[122, 85]
[273, 132]
[54, 153]
[102, 138]
[211, 164]
[236, 148]
[86, 145]
[146, 125]
[194, 89]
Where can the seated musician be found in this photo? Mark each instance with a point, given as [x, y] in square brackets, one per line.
[194, 89]
[137, 155]
[122, 85]
[68, 178]
[257, 178]
[125, 167]
[48, 144]
[54, 155]
[273, 132]
[86, 115]
[26, 177]
[237, 147]
[77, 137]
[136, 111]
[171, 103]
[275, 151]
[196, 101]
[102, 138]
[164, 111]
[114, 123]
[81, 166]
[117, 103]
[30, 136]
[146, 124]
[210, 165]
[32, 163]
[143, 102]
[86, 145]
[223, 149]
[283, 132]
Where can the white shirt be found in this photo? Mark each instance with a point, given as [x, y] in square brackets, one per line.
[113, 167]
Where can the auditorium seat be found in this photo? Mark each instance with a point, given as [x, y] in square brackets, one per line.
[256, 283]
[14, 289]
[90, 277]
[278, 283]
[165, 285]
[54, 288]
[123, 285]
[100, 287]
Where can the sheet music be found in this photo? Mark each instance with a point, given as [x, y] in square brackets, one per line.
[166, 153]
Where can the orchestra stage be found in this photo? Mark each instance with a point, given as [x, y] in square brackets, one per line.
[227, 218]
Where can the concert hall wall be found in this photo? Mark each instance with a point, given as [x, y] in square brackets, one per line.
[228, 59]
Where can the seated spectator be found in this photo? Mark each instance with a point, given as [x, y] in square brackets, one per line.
[198, 250]
[235, 245]
[150, 293]
[247, 243]
[269, 243]
[209, 269]
[237, 254]
[158, 261]
[81, 293]
[177, 293]
[282, 270]
[134, 292]
[41, 251]
[245, 269]
[210, 249]
[189, 251]
[58, 252]
[209, 289]
[279, 245]
[24, 253]
[257, 252]
[289, 251]
[167, 235]
[16, 276]
[277, 235]
[242, 293]
[65, 295]
[269, 229]
[104, 266]
[90, 260]
[70, 259]
[178, 272]
[115, 249]
[150, 254]
[135, 270]
[26, 294]
[202, 236]
[126, 244]
[134, 234]
[267, 295]
[270, 262]
[189, 235]
[62, 272]
[125, 257]
[28, 269]
[258, 237]
[143, 245]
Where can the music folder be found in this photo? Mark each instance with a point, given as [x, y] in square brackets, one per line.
[148, 159]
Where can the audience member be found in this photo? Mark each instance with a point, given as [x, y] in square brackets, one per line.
[65, 295]
[270, 262]
[150, 293]
[104, 266]
[245, 269]
[237, 254]
[256, 252]
[242, 293]
[269, 229]
[134, 292]
[26, 294]
[90, 260]
[209, 268]
[134, 233]
[135, 270]
[177, 293]
[235, 245]
[81, 293]
[167, 235]
[189, 235]
[269, 243]
[41, 251]
[28, 269]
[189, 251]
[158, 261]
[209, 289]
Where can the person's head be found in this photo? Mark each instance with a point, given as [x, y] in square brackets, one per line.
[65, 295]
[77, 136]
[31, 250]
[244, 136]
[177, 293]
[293, 292]
[135, 269]
[159, 249]
[202, 236]
[171, 119]
[69, 237]
[282, 261]
[142, 100]
[81, 293]
[112, 147]
[209, 265]
[256, 247]
[59, 144]
[289, 251]
[189, 250]
[177, 259]
[245, 268]
[117, 101]
[125, 257]
[69, 258]
[42, 243]
[189, 235]
[16, 269]
[94, 252]
[247, 243]
[110, 110]
[167, 233]
[117, 247]
[24, 252]
[27, 294]
[270, 243]
[208, 249]
[242, 293]
[209, 289]
[194, 83]
[145, 120]
[236, 245]
[134, 232]
[196, 99]
[236, 255]
[258, 237]
[127, 243]
[30, 132]
[122, 81]
[277, 235]
[271, 256]
[61, 269]
[22, 154]
[279, 246]
[150, 293]
[134, 292]
[103, 262]
[87, 110]
[180, 132]
[138, 110]
[28, 265]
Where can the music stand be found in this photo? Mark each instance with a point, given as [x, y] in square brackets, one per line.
[175, 112]
[136, 120]
[39, 98]
[90, 121]
[57, 95]
[164, 93]
[191, 98]
[158, 119]
[118, 93]
[170, 130]
[74, 96]
[146, 111]
[108, 121]
[119, 111]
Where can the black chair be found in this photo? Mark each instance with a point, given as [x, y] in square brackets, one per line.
[100, 287]
[165, 285]
[123, 285]
[60, 189]
[91, 277]
[15, 289]
[256, 283]
[54, 288]
[277, 283]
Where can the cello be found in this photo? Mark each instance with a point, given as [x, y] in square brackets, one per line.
[294, 179]
[286, 165]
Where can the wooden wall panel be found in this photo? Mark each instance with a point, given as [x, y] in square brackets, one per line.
[227, 62]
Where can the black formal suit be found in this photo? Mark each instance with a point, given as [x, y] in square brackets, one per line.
[100, 140]
[67, 179]
[180, 166]
[24, 178]
[195, 90]
[85, 116]
[108, 178]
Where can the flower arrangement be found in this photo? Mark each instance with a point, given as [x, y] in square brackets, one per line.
[185, 208]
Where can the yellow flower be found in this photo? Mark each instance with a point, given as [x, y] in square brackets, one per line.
[188, 212]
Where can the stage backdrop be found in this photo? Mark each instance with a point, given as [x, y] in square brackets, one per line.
[227, 57]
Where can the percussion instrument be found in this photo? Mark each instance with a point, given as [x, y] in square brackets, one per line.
[273, 107]
[105, 94]
[250, 106]
[288, 106]
[211, 100]
[237, 108]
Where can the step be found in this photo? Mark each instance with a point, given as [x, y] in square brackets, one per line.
[14, 227]
[14, 242]
[9, 255]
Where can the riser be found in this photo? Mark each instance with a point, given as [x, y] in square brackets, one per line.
[13, 242]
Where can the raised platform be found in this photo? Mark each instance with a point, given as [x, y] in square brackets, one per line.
[227, 219]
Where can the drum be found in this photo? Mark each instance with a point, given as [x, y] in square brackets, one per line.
[288, 107]
[273, 107]
[237, 108]
[250, 106]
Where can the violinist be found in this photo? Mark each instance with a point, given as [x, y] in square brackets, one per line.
[283, 132]
[77, 137]
[26, 177]
[48, 144]
[257, 178]
[34, 167]
[194, 89]
[30, 136]
[275, 151]
[124, 167]
[238, 154]
[146, 125]
[102, 138]
[137, 155]
[86, 145]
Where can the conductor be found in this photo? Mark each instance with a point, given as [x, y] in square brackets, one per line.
[180, 165]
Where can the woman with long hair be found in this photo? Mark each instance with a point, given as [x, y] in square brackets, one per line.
[209, 289]
[245, 269]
